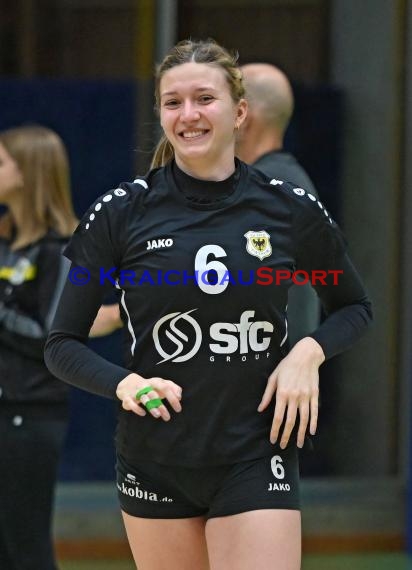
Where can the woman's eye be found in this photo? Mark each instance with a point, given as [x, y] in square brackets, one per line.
[171, 103]
[206, 98]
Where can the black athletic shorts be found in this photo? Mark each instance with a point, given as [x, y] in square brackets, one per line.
[151, 490]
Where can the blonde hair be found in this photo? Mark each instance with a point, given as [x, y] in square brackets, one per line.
[41, 157]
[187, 51]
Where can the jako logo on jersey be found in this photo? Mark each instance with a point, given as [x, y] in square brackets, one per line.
[258, 244]
[229, 337]
[158, 243]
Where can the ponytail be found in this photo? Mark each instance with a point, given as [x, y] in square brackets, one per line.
[163, 153]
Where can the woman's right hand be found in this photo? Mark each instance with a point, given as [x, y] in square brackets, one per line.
[128, 387]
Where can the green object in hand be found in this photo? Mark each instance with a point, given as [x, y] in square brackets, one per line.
[155, 403]
[143, 391]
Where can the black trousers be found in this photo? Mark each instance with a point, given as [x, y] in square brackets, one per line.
[30, 446]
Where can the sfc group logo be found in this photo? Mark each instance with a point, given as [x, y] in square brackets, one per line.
[258, 244]
[177, 337]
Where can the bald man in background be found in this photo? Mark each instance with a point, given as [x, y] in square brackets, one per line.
[260, 143]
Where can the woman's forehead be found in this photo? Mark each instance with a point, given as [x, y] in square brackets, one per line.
[192, 76]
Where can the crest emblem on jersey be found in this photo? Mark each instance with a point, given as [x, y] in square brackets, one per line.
[258, 244]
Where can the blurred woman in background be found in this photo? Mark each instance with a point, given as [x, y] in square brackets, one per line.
[34, 187]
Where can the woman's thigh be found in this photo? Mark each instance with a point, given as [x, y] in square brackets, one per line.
[167, 544]
[264, 539]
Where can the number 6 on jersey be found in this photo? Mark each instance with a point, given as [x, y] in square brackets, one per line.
[202, 268]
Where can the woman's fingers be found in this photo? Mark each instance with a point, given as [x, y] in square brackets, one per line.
[169, 391]
[131, 405]
[174, 399]
[268, 393]
[314, 410]
[161, 389]
[290, 405]
[160, 412]
[156, 412]
[289, 424]
[296, 383]
[277, 418]
[303, 423]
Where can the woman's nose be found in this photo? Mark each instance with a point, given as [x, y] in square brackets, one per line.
[189, 112]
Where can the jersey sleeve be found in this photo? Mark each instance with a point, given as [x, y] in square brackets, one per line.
[321, 251]
[96, 245]
[67, 355]
[97, 241]
[319, 241]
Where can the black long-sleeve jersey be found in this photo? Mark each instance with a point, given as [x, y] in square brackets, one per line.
[199, 305]
[31, 280]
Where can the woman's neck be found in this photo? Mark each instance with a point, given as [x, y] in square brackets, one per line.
[204, 171]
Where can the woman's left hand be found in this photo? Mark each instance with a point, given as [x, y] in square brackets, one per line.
[296, 383]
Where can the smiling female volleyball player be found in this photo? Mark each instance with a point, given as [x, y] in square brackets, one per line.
[213, 403]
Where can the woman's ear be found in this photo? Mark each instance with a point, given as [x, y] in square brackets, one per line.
[241, 115]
